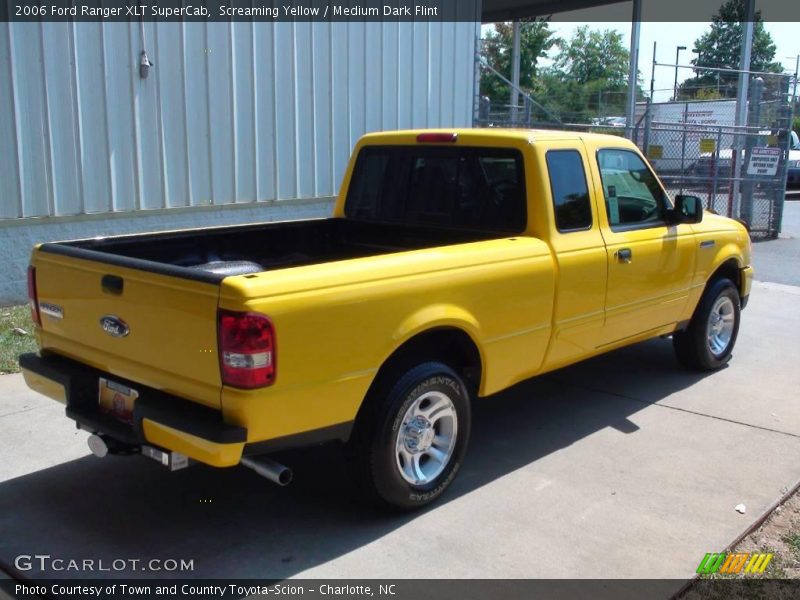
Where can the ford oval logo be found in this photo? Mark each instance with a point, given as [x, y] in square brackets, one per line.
[115, 326]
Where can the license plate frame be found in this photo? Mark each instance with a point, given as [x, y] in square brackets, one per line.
[116, 400]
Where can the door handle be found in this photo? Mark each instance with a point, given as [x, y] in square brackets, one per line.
[624, 255]
[112, 284]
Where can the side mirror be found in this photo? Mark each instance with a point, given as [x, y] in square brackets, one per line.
[688, 209]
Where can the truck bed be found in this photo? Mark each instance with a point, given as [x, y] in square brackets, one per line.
[212, 254]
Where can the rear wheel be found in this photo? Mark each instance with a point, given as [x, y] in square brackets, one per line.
[409, 444]
[708, 342]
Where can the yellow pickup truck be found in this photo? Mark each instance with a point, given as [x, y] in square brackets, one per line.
[456, 264]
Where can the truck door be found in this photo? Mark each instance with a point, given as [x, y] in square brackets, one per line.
[650, 261]
[579, 251]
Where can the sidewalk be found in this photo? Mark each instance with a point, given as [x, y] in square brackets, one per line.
[623, 466]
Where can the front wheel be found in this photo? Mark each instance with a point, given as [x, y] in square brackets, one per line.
[708, 342]
[409, 445]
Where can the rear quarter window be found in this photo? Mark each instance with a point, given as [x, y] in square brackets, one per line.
[570, 192]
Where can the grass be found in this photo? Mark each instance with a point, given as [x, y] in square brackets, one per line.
[780, 535]
[792, 539]
[13, 343]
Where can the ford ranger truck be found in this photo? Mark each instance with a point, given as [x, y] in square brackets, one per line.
[456, 264]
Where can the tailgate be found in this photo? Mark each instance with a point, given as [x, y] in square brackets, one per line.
[171, 323]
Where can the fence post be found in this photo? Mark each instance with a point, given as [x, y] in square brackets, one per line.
[683, 142]
[484, 107]
[515, 60]
[715, 173]
[785, 123]
[748, 183]
[527, 105]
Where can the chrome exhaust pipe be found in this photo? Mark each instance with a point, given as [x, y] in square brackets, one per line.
[266, 467]
[97, 445]
[102, 445]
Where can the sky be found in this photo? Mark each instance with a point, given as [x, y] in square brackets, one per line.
[668, 36]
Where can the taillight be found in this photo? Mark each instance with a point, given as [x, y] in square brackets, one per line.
[33, 298]
[437, 138]
[246, 349]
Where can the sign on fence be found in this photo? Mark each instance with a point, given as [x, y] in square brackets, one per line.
[708, 146]
[764, 161]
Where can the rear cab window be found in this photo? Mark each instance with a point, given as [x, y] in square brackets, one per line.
[458, 186]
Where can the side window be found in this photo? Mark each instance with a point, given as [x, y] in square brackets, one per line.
[570, 192]
[632, 194]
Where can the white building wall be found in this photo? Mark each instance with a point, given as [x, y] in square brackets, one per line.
[231, 114]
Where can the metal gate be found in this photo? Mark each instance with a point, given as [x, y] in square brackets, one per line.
[695, 148]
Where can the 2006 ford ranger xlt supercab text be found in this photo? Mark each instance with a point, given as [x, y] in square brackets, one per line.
[455, 265]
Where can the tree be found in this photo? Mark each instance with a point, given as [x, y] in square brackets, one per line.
[721, 48]
[590, 75]
[592, 56]
[536, 39]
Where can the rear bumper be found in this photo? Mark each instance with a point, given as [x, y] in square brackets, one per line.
[159, 419]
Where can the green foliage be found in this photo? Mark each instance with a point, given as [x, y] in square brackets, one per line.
[592, 56]
[721, 48]
[708, 94]
[536, 39]
[588, 78]
[13, 343]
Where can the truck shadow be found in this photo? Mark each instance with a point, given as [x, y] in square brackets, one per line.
[234, 524]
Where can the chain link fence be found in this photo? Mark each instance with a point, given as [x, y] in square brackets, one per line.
[695, 146]
[738, 171]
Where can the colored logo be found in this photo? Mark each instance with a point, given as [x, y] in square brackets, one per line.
[734, 562]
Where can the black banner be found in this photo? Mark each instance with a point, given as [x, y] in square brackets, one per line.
[401, 589]
[375, 10]
[243, 10]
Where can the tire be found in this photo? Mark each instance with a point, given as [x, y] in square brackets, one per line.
[409, 443]
[708, 342]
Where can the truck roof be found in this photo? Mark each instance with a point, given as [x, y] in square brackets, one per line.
[488, 134]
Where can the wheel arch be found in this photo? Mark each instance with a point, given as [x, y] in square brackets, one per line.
[449, 344]
[727, 268]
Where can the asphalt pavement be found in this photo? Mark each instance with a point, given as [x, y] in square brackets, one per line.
[779, 260]
[624, 466]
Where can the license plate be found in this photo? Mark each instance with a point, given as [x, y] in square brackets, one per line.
[116, 400]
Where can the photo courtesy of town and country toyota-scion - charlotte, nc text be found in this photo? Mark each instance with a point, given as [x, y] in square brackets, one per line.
[136, 10]
[194, 590]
